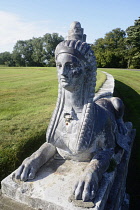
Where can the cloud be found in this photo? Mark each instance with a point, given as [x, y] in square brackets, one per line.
[14, 28]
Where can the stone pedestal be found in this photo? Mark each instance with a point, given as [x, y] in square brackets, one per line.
[53, 185]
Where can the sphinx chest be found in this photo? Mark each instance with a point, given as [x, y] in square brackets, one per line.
[67, 131]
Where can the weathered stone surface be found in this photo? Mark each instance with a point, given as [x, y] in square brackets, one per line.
[117, 196]
[52, 188]
[107, 88]
[76, 32]
[9, 204]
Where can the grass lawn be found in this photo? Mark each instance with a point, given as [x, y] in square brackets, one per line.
[28, 97]
[127, 87]
[27, 100]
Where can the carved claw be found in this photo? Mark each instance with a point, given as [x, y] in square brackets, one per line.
[27, 170]
[86, 188]
[30, 165]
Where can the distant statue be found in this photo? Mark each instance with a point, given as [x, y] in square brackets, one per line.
[81, 129]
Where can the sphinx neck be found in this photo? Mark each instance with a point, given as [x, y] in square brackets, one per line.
[74, 100]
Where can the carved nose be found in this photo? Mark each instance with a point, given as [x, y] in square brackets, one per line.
[64, 72]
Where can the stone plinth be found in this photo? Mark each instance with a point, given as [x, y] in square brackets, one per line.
[53, 185]
[52, 188]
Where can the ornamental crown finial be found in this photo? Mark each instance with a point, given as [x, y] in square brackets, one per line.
[76, 32]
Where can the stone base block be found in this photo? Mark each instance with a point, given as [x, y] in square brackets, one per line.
[52, 188]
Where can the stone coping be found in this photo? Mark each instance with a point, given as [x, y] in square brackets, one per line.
[107, 88]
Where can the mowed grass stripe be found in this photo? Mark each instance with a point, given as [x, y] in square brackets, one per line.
[22, 101]
[128, 77]
[27, 100]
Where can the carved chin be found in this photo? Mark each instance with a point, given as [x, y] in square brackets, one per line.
[71, 87]
[64, 84]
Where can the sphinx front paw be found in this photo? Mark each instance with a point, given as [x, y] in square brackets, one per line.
[86, 188]
[27, 170]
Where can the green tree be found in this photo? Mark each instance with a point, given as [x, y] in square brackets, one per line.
[50, 41]
[22, 53]
[6, 59]
[38, 54]
[133, 44]
[36, 51]
[99, 49]
[110, 51]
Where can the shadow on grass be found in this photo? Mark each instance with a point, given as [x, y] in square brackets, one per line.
[131, 100]
[11, 158]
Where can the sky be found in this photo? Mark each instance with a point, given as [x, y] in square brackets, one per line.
[25, 19]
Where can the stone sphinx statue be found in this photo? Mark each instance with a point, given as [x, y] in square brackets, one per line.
[80, 129]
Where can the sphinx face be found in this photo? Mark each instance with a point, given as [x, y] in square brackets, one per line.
[70, 71]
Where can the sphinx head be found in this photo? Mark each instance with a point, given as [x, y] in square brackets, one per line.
[74, 61]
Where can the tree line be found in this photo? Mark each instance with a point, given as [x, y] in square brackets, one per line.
[33, 52]
[118, 49]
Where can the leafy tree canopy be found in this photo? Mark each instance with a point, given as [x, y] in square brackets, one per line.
[36, 51]
[133, 44]
[6, 59]
[110, 51]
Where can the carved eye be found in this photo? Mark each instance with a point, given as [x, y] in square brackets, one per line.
[71, 66]
[74, 65]
[77, 72]
[59, 65]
